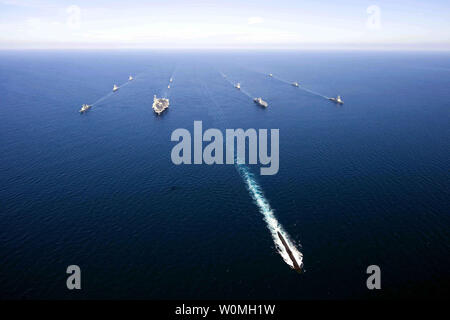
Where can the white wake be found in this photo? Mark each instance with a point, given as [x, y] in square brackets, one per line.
[244, 91]
[110, 93]
[300, 87]
[269, 217]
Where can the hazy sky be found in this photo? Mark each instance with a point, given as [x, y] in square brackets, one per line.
[264, 24]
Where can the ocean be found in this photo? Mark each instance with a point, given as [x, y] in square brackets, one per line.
[359, 184]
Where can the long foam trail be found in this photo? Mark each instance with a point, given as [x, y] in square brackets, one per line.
[166, 91]
[246, 93]
[226, 78]
[282, 80]
[242, 90]
[269, 217]
[290, 83]
[109, 94]
[300, 87]
[312, 92]
[102, 98]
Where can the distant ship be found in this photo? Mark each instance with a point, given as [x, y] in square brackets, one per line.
[130, 78]
[238, 86]
[295, 84]
[160, 104]
[168, 87]
[270, 75]
[338, 100]
[84, 108]
[261, 102]
[170, 80]
[115, 88]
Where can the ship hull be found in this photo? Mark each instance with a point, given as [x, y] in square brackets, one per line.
[261, 103]
[295, 264]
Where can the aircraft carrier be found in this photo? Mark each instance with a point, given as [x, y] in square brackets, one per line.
[160, 104]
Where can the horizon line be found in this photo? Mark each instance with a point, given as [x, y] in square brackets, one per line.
[118, 48]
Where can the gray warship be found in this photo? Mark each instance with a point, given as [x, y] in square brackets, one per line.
[84, 108]
[261, 102]
[337, 100]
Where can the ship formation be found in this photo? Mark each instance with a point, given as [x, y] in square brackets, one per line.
[161, 104]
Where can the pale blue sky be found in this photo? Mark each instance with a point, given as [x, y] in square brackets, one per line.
[221, 24]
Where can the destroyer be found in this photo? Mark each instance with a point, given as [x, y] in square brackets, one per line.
[295, 84]
[338, 100]
[84, 108]
[160, 104]
[115, 88]
[238, 86]
[261, 102]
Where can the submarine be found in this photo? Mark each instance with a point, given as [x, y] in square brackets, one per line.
[289, 252]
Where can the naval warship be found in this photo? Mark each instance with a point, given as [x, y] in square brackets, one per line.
[160, 104]
[84, 108]
[338, 100]
[295, 264]
[261, 102]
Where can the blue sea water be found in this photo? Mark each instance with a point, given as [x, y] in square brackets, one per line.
[359, 184]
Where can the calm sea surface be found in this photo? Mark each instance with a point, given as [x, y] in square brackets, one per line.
[359, 184]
